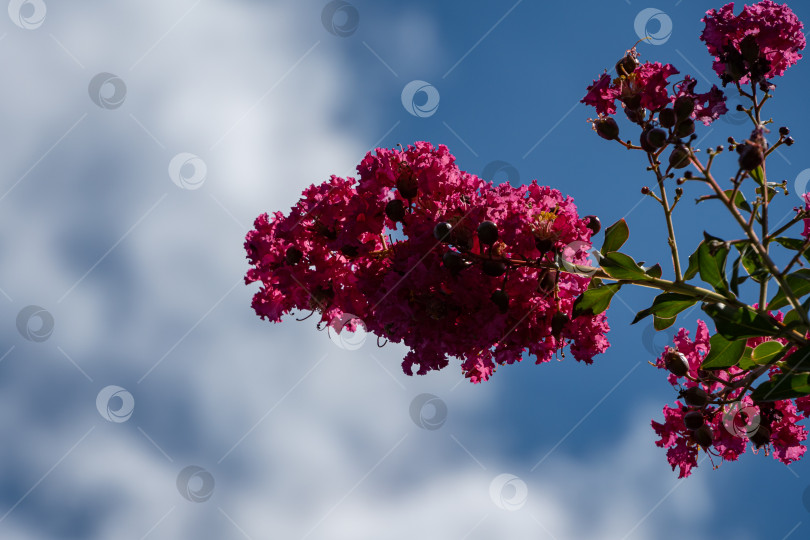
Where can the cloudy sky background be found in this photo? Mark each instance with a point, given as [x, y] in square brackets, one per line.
[293, 435]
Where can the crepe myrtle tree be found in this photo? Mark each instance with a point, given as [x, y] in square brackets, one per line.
[422, 253]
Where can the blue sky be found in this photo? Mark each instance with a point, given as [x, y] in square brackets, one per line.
[155, 363]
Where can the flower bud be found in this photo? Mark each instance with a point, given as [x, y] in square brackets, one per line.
[751, 157]
[543, 244]
[684, 106]
[693, 420]
[455, 262]
[626, 65]
[667, 118]
[593, 224]
[607, 128]
[676, 363]
[442, 231]
[487, 232]
[407, 185]
[656, 138]
[704, 436]
[761, 436]
[501, 300]
[685, 127]
[493, 268]
[695, 396]
[679, 158]
[395, 210]
[293, 255]
[558, 322]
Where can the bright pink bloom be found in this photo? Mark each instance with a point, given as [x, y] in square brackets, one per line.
[775, 40]
[806, 231]
[730, 428]
[602, 95]
[334, 255]
[709, 106]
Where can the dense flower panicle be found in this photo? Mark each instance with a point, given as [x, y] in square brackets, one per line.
[760, 43]
[333, 254]
[771, 425]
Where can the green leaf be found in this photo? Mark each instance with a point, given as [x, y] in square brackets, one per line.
[595, 301]
[723, 353]
[615, 236]
[666, 306]
[621, 266]
[739, 200]
[795, 244]
[764, 353]
[800, 360]
[753, 264]
[758, 175]
[793, 320]
[739, 323]
[654, 271]
[780, 387]
[712, 263]
[799, 283]
[694, 266]
[660, 323]
[747, 362]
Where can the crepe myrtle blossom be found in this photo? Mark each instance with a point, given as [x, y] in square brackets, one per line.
[433, 257]
[760, 43]
[696, 422]
[644, 90]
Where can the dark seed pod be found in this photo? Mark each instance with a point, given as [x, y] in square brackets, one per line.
[704, 436]
[558, 321]
[293, 255]
[789, 141]
[685, 128]
[751, 157]
[442, 231]
[501, 300]
[607, 128]
[761, 436]
[695, 396]
[493, 268]
[693, 420]
[667, 118]
[395, 210]
[455, 262]
[676, 363]
[684, 107]
[679, 158]
[784, 131]
[656, 138]
[487, 233]
[593, 224]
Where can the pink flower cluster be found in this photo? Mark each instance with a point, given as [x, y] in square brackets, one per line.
[760, 43]
[366, 250]
[647, 87]
[695, 422]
